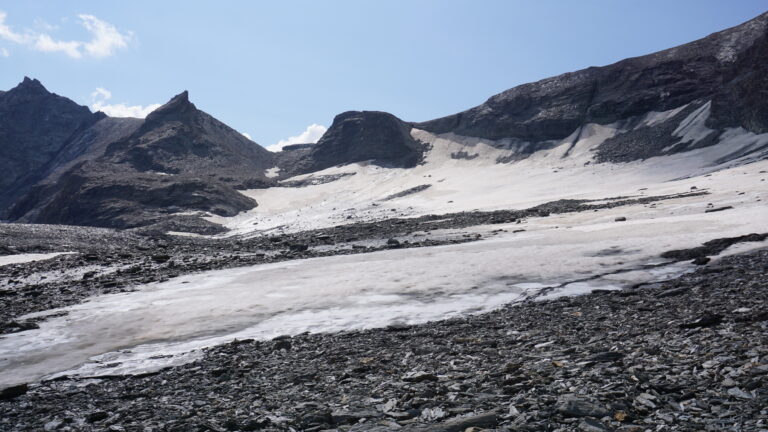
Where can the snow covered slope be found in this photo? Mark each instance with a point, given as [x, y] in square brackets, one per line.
[463, 174]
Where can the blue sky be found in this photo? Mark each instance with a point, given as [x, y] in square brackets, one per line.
[271, 69]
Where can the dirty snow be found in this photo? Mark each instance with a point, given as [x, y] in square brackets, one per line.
[25, 258]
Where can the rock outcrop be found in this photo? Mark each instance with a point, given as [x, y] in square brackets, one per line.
[359, 136]
[727, 68]
[126, 173]
[35, 125]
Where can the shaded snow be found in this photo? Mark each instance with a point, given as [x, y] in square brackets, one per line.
[272, 172]
[693, 128]
[25, 258]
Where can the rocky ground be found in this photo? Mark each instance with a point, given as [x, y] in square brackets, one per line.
[689, 355]
[109, 261]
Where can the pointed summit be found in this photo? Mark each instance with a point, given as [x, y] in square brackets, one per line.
[31, 82]
[30, 86]
[179, 107]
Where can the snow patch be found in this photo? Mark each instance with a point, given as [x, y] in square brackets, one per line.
[272, 172]
[693, 128]
[25, 258]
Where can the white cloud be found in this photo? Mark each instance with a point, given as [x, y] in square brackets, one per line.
[10, 35]
[4, 52]
[309, 136]
[245, 134]
[105, 38]
[122, 110]
[45, 43]
[100, 96]
[101, 93]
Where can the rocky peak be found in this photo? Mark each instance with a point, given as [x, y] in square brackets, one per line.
[26, 90]
[35, 125]
[357, 136]
[31, 85]
[179, 108]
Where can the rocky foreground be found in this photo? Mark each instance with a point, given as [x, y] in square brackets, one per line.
[689, 355]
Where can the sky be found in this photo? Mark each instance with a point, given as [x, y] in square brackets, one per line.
[279, 71]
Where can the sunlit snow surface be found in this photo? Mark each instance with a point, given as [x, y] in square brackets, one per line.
[482, 184]
[166, 323]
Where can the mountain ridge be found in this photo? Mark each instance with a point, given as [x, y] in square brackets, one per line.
[552, 108]
[87, 168]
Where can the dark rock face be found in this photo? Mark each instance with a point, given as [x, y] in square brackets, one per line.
[125, 199]
[728, 68]
[742, 100]
[125, 173]
[357, 136]
[177, 138]
[35, 125]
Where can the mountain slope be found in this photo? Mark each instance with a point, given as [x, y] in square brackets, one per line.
[177, 138]
[727, 68]
[35, 125]
[645, 123]
[127, 172]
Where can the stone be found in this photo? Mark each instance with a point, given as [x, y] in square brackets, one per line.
[706, 320]
[13, 392]
[419, 377]
[571, 405]
[591, 425]
[718, 209]
[608, 356]
[96, 416]
[484, 420]
[298, 247]
[701, 260]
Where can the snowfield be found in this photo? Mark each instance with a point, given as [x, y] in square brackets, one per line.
[564, 254]
[480, 183]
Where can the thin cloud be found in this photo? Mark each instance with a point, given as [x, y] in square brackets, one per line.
[4, 52]
[101, 93]
[45, 43]
[8, 34]
[105, 38]
[100, 96]
[310, 136]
